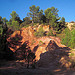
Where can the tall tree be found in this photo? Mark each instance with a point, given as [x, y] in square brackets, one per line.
[14, 22]
[40, 15]
[52, 17]
[35, 13]
[18, 20]
[4, 50]
[27, 20]
[13, 15]
[54, 11]
[51, 13]
[62, 21]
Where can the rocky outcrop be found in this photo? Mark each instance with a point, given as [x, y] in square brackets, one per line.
[70, 25]
[48, 50]
[54, 58]
[37, 45]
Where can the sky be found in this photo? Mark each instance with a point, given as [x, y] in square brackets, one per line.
[66, 7]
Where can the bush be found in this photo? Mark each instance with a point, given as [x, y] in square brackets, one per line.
[40, 42]
[50, 33]
[14, 25]
[69, 38]
[39, 33]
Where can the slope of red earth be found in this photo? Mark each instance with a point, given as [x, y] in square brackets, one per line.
[51, 55]
[18, 38]
[48, 50]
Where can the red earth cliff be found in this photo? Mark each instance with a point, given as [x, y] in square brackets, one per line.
[37, 45]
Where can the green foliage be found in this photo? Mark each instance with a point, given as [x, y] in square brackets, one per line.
[3, 25]
[35, 13]
[69, 38]
[63, 20]
[15, 25]
[18, 20]
[14, 22]
[51, 14]
[52, 18]
[13, 15]
[72, 41]
[50, 33]
[40, 32]
[40, 42]
[26, 22]
[42, 19]
[62, 23]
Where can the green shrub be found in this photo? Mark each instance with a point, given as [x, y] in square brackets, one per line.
[39, 33]
[50, 33]
[69, 38]
[40, 42]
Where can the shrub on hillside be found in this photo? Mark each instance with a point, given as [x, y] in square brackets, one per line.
[39, 33]
[50, 33]
[69, 38]
[40, 42]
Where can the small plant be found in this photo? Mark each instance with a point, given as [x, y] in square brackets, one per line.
[50, 33]
[69, 38]
[40, 42]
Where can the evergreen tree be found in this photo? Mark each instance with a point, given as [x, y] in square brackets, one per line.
[13, 15]
[52, 18]
[14, 22]
[35, 13]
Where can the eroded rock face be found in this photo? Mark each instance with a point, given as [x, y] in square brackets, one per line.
[51, 46]
[39, 51]
[54, 58]
[48, 50]
[64, 61]
[20, 37]
[69, 25]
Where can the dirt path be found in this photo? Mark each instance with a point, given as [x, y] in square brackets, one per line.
[37, 71]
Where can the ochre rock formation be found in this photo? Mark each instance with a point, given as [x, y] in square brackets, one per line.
[48, 50]
[18, 38]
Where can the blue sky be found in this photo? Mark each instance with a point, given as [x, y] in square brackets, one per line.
[66, 7]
